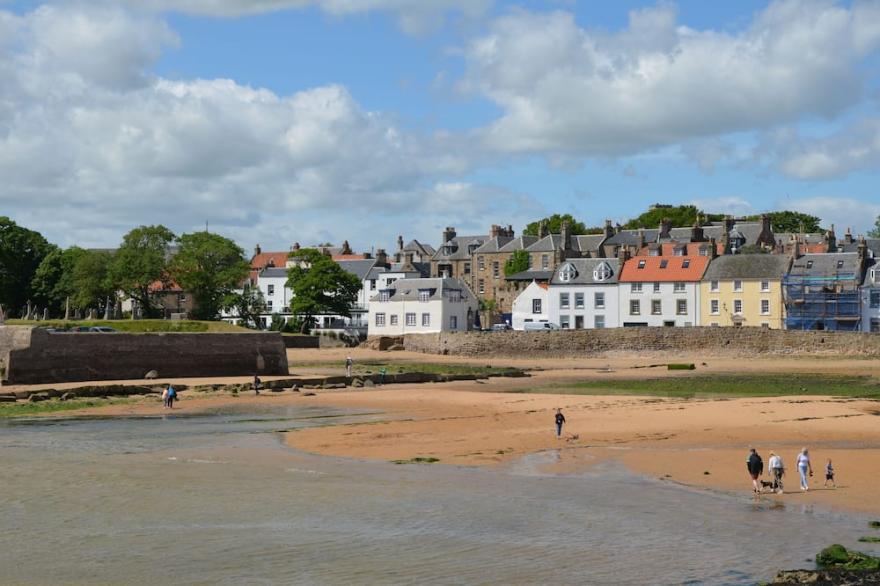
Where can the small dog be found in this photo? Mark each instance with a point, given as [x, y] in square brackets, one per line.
[768, 484]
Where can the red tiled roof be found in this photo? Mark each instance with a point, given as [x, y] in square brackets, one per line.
[261, 261]
[668, 248]
[673, 269]
[545, 286]
[169, 287]
[338, 257]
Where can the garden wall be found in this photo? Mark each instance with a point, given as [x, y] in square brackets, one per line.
[71, 357]
[702, 341]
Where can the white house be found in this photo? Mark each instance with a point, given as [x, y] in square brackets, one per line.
[661, 290]
[531, 305]
[870, 292]
[422, 306]
[584, 294]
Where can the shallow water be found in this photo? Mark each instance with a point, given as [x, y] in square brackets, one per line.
[220, 500]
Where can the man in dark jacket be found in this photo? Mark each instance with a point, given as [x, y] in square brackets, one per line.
[755, 465]
[560, 420]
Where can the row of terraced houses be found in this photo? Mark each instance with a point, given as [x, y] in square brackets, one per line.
[729, 273]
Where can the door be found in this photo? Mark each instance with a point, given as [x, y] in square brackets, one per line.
[578, 322]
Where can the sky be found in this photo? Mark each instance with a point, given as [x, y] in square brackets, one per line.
[282, 121]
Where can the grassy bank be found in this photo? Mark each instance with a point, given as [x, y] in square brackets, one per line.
[363, 367]
[137, 325]
[724, 385]
[25, 409]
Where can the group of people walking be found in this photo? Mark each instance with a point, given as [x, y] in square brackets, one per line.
[755, 466]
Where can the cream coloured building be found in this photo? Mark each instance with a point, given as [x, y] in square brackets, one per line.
[744, 290]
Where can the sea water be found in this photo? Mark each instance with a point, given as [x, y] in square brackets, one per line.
[219, 499]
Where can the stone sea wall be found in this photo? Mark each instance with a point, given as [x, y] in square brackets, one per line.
[71, 357]
[665, 342]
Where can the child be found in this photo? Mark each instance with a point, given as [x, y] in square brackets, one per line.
[829, 474]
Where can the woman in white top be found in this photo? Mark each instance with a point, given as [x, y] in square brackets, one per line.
[804, 466]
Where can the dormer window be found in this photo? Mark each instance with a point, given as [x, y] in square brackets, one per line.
[678, 251]
[664, 263]
[424, 295]
[840, 264]
[602, 272]
[385, 295]
[641, 264]
[654, 252]
[685, 263]
[567, 272]
[809, 264]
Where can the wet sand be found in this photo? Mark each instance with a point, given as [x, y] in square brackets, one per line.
[484, 424]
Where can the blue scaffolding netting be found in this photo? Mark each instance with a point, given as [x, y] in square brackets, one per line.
[822, 302]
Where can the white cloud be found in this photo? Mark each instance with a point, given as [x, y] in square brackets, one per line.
[732, 205]
[843, 212]
[413, 16]
[852, 148]
[567, 89]
[91, 145]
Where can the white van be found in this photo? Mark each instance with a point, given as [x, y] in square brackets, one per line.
[539, 326]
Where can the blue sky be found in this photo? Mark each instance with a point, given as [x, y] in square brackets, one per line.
[286, 121]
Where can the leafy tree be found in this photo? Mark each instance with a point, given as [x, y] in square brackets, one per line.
[875, 231]
[680, 216]
[90, 280]
[53, 280]
[753, 249]
[140, 261]
[21, 252]
[209, 267]
[517, 263]
[319, 285]
[789, 221]
[246, 304]
[554, 225]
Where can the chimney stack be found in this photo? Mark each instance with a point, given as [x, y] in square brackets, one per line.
[346, 249]
[448, 234]
[713, 248]
[697, 234]
[665, 226]
[622, 254]
[848, 237]
[257, 250]
[400, 243]
[381, 257]
[609, 229]
[863, 250]
[494, 230]
[831, 239]
[542, 229]
[566, 235]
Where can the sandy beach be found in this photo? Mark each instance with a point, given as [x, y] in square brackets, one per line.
[696, 442]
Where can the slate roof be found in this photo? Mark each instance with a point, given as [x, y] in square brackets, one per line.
[408, 289]
[416, 246]
[873, 246]
[549, 243]
[631, 237]
[460, 244]
[421, 268]
[493, 244]
[519, 243]
[835, 266]
[654, 269]
[747, 266]
[531, 275]
[584, 268]
[274, 273]
[588, 242]
[358, 268]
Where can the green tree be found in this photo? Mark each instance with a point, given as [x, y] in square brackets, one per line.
[554, 225]
[209, 267]
[875, 231]
[517, 263]
[680, 216]
[789, 221]
[53, 280]
[247, 305]
[90, 280]
[140, 261]
[21, 252]
[319, 286]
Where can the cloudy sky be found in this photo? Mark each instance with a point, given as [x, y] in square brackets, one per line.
[277, 121]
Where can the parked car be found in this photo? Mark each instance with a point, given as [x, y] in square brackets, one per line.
[539, 326]
[500, 327]
[101, 329]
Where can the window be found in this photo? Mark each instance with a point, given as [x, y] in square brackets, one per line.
[599, 322]
[384, 295]
[654, 252]
[641, 264]
[678, 251]
[599, 300]
[656, 307]
[426, 320]
[380, 320]
[765, 306]
[372, 284]
[536, 306]
[545, 262]
[713, 307]
[634, 307]
[840, 264]
[424, 295]
[269, 305]
[467, 268]
[713, 286]
[496, 269]
[393, 319]
[765, 285]
[453, 322]
[686, 263]
[678, 288]
[482, 286]
[567, 272]
[737, 306]
[271, 290]
[664, 263]
[454, 296]
[563, 301]
[390, 281]
[410, 319]
[765, 325]
[714, 324]
[564, 322]
[875, 325]
[656, 287]
[578, 300]
[635, 288]
[704, 251]
[737, 285]
[681, 307]
[481, 262]
[602, 272]
[875, 298]
[809, 264]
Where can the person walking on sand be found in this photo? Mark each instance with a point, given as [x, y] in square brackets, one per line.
[172, 394]
[348, 364]
[804, 466]
[257, 383]
[777, 469]
[829, 474]
[755, 465]
[560, 420]
[165, 399]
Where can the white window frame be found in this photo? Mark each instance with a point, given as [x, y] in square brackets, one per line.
[426, 320]
[564, 301]
[599, 300]
[410, 320]
[737, 285]
[634, 304]
[565, 322]
[737, 307]
[714, 287]
[714, 307]
[453, 322]
[424, 296]
[635, 287]
[380, 320]
[578, 300]
[656, 286]
[656, 307]
[678, 307]
[678, 287]
[765, 286]
[599, 322]
[765, 303]
[393, 318]
[537, 306]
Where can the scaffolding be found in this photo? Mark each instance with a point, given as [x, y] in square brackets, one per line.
[822, 302]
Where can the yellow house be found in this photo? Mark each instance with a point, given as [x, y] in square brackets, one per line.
[744, 290]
